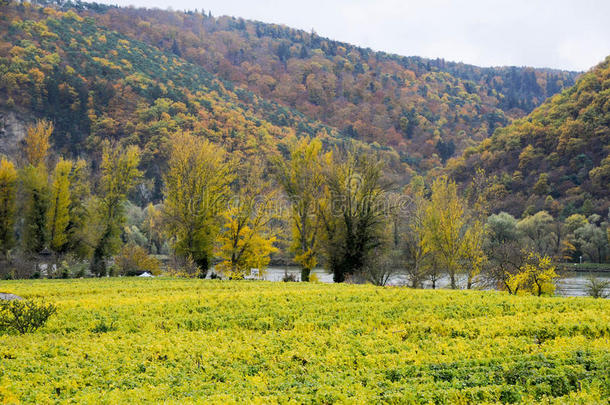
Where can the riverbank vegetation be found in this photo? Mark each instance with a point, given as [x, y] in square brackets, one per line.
[141, 160]
[337, 207]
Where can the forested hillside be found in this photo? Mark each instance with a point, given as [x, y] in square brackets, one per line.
[557, 158]
[428, 110]
[97, 84]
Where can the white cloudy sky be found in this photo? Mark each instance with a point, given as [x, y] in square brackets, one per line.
[564, 34]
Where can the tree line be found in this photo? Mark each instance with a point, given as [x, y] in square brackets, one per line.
[337, 208]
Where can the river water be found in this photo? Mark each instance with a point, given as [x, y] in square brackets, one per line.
[569, 285]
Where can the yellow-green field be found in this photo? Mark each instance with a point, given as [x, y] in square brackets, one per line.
[181, 341]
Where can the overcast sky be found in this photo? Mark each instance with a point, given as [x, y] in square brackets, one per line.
[561, 34]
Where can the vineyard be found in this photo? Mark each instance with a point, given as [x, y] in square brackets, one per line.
[184, 340]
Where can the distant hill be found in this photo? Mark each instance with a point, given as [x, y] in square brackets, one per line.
[428, 110]
[95, 84]
[137, 75]
[557, 158]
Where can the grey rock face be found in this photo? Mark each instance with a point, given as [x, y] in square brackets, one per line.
[12, 132]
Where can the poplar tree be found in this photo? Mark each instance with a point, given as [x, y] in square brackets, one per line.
[353, 213]
[8, 194]
[79, 227]
[37, 142]
[34, 180]
[58, 215]
[416, 246]
[445, 226]
[119, 175]
[196, 188]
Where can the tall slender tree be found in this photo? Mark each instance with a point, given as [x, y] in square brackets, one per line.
[35, 188]
[80, 241]
[35, 200]
[8, 195]
[416, 246]
[196, 191]
[58, 215]
[37, 142]
[445, 225]
[302, 180]
[119, 175]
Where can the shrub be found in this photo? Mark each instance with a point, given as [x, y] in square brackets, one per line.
[71, 267]
[134, 260]
[597, 288]
[235, 275]
[510, 395]
[24, 316]
[103, 327]
[537, 276]
[183, 267]
[380, 270]
[64, 270]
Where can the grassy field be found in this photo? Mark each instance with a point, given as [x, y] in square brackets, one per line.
[180, 341]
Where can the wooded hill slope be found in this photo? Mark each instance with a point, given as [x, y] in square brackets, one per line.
[557, 158]
[138, 75]
[428, 110]
[97, 84]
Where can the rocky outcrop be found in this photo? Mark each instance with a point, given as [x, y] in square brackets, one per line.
[12, 132]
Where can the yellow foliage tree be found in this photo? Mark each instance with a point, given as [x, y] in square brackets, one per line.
[445, 224]
[37, 142]
[472, 250]
[246, 240]
[536, 276]
[134, 259]
[196, 190]
[8, 193]
[58, 215]
[119, 175]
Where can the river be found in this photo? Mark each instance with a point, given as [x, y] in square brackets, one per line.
[569, 285]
